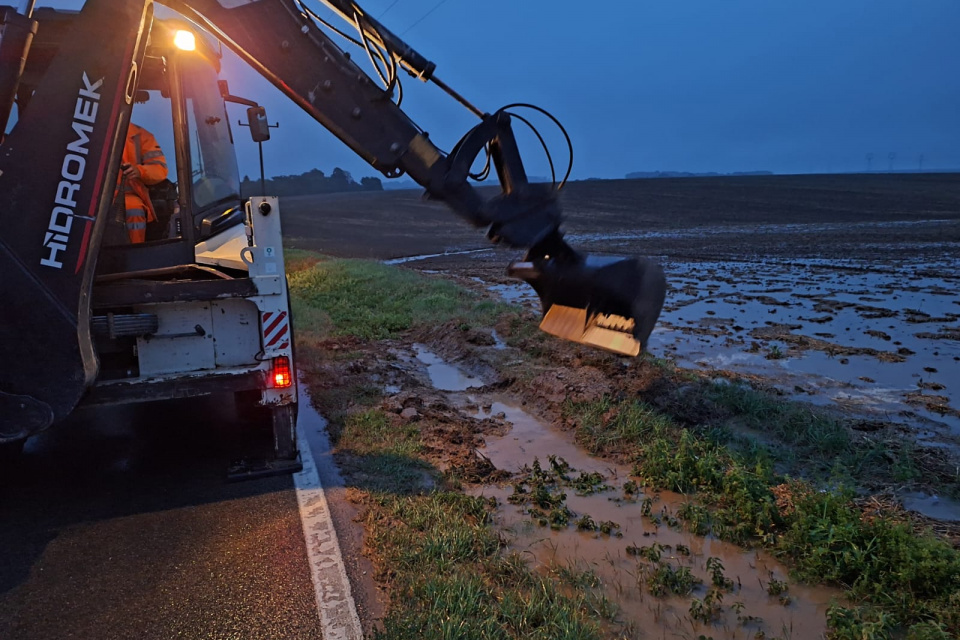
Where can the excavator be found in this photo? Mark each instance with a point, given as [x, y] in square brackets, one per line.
[201, 306]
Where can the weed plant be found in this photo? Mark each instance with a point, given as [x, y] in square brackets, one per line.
[669, 580]
[541, 490]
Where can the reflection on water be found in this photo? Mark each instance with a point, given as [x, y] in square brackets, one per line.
[856, 337]
[442, 375]
[426, 256]
[609, 241]
[933, 506]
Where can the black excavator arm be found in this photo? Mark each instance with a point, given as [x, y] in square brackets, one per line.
[285, 44]
[57, 179]
[606, 302]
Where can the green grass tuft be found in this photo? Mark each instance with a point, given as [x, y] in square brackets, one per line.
[372, 301]
[806, 430]
[371, 431]
[897, 577]
[451, 580]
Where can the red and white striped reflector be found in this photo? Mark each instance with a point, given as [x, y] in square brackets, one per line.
[276, 330]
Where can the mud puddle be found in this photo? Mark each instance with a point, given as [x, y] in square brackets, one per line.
[936, 507]
[635, 541]
[444, 377]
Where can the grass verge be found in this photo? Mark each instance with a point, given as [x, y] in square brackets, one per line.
[898, 580]
[371, 301]
[448, 574]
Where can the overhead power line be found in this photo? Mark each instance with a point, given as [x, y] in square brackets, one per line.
[392, 5]
[424, 16]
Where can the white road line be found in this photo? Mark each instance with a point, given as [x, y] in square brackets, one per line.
[338, 612]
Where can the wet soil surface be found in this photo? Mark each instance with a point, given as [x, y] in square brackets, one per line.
[471, 425]
[836, 291]
[878, 339]
[874, 340]
[492, 431]
[839, 290]
[620, 534]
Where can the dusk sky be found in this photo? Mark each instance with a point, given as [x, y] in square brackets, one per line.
[789, 86]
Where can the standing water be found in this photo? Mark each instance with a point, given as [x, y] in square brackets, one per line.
[642, 570]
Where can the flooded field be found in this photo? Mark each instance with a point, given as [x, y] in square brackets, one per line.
[882, 341]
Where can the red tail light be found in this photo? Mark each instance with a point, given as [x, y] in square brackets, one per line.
[282, 376]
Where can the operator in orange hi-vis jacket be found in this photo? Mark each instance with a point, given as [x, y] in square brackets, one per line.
[143, 164]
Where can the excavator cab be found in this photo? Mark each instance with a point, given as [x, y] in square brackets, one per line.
[195, 305]
[179, 101]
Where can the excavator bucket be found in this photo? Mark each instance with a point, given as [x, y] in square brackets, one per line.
[604, 301]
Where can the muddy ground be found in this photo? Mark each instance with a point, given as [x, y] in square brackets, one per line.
[837, 291]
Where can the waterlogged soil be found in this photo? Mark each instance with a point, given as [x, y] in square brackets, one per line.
[485, 427]
[622, 576]
[472, 426]
[877, 340]
[842, 292]
[835, 292]
[874, 342]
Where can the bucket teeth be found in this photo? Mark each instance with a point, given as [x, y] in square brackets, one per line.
[610, 332]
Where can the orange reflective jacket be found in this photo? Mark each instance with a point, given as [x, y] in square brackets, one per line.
[141, 150]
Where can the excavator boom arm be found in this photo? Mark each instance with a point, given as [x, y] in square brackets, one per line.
[285, 44]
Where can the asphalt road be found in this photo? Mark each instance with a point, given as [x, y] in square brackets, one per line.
[121, 524]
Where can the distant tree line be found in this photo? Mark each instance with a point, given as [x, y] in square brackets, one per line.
[687, 174]
[311, 182]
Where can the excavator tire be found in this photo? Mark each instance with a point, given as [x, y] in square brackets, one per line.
[277, 421]
[250, 413]
[281, 422]
[284, 419]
